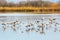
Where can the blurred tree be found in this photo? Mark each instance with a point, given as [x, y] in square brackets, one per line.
[11, 4]
[3, 3]
[58, 2]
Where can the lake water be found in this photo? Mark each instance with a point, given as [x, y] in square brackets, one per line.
[53, 32]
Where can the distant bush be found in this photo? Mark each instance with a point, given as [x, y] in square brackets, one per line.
[29, 3]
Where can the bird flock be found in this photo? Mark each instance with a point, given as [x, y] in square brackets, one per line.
[40, 25]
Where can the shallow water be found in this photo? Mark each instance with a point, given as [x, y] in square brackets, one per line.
[25, 19]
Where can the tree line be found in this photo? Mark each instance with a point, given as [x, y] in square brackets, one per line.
[29, 3]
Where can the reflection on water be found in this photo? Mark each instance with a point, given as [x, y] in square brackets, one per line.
[29, 26]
